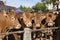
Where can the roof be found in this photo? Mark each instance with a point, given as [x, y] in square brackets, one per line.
[3, 6]
[18, 10]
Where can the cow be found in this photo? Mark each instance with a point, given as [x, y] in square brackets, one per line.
[27, 19]
[51, 18]
[19, 36]
[37, 18]
[20, 18]
[13, 16]
[7, 23]
[50, 22]
[43, 19]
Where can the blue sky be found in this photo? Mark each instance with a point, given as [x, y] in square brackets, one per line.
[17, 3]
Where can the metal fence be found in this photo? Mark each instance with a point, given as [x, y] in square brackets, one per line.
[27, 32]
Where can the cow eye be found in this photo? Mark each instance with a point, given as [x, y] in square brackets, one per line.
[50, 16]
[5, 16]
[13, 18]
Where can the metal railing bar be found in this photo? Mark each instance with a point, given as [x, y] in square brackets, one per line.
[6, 33]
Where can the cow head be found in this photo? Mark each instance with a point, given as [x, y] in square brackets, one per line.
[4, 12]
[36, 19]
[50, 19]
[14, 20]
[27, 19]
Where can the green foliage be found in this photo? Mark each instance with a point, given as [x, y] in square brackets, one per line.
[22, 8]
[47, 1]
[39, 6]
[25, 8]
[55, 2]
[28, 9]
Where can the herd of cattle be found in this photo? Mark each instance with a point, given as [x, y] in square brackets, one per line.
[13, 21]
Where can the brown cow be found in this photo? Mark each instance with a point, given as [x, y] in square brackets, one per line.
[18, 16]
[14, 18]
[27, 19]
[20, 19]
[50, 18]
[7, 22]
[37, 17]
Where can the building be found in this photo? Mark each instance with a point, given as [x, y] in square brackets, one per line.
[6, 7]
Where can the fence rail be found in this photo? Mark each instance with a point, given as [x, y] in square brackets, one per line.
[27, 32]
[30, 30]
[11, 32]
[45, 29]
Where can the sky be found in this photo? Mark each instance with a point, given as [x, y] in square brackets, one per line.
[17, 3]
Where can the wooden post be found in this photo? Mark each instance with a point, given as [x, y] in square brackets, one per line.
[27, 34]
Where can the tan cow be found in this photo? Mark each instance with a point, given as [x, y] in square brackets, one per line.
[50, 18]
[50, 22]
[27, 19]
[38, 17]
[7, 22]
[20, 18]
[14, 18]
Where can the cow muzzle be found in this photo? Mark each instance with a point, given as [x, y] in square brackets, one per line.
[29, 25]
[18, 26]
[51, 24]
[37, 25]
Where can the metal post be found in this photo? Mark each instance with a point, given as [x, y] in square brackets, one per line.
[27, 34]
[7, 37]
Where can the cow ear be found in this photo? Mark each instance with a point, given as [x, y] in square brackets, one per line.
[4, 12]
[12, 10]
[12, 13]
[24, 16]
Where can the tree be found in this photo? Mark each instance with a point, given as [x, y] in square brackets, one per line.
[22, 8]
[39, 7]
[54, 2]
[25, 8]
[29, 9]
